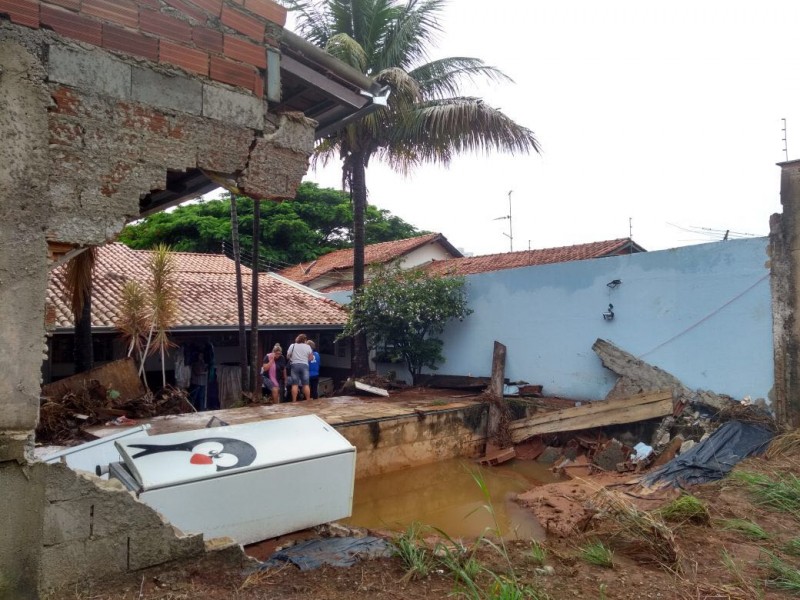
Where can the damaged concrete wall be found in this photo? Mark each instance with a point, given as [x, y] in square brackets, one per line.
[97, 527]
[99, 103]
[702, 313]
[785, 263]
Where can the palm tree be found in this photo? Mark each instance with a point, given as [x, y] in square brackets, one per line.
[425, 121]
[79, 274]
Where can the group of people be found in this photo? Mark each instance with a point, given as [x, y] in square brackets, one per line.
[284, 376]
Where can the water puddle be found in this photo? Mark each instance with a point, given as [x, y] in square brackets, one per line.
[445, 495]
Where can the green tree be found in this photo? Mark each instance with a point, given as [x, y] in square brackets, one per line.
[317, 221]
[399, 311]
[425, 121]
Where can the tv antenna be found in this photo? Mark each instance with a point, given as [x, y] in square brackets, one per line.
[510, 234]
[785, 143]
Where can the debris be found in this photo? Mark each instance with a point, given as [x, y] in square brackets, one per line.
[120, 378]
[671, 451]
[216, 422]
[611, 454]
[637, 376]
[597, 414]
[530, 390]
[371, 389]
[531, 449]
[549, 455]
[686, 446]
[643, 452]
[496, 456]
[713, 458]
[454, 382]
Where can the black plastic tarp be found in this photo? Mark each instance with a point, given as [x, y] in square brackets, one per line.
[713, 458]
[338, 552]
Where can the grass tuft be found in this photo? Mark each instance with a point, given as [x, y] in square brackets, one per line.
[409, 547]
[745, 527]
[792, 547]
[783, 575]
[781, 492]
[537, 553]
[686, 509]
[597, 553]
[638, 533]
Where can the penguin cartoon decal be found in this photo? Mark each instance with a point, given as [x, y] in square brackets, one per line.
[223, 453]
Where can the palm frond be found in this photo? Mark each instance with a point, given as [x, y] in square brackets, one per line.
[78, 278]
[312, 20]
[408, 38]
[164, 295]
[443, 78]
[347, 50]
[133, 321]
[437, 130]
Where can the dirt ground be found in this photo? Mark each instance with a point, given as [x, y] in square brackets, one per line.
[712, 561]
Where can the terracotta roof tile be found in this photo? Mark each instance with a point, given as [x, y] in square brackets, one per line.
[544, 256]
[207, 284]
[373, 254]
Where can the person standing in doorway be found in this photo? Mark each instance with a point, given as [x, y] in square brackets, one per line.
[313, 371]
[299, 355]
[199, 379]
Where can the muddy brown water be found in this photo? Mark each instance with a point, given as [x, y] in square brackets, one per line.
[446, 496]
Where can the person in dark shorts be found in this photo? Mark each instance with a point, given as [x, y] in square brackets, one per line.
[299, 355]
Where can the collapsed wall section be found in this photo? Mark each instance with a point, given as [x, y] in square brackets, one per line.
[103, 102]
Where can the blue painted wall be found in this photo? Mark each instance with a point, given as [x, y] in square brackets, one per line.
[702, 313]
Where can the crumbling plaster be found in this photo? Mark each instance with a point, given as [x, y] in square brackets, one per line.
[86, 133]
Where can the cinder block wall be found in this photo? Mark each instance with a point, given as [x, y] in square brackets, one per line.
[97, 529]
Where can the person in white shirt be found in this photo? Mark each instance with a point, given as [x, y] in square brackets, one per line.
[299, 355]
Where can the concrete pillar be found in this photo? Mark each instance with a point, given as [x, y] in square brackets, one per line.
[785, 285]
[23, 284]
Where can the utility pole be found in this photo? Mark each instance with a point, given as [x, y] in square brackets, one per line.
[510, 234]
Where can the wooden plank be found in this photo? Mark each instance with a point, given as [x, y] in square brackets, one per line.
[118, 375]
[371, 389]
[454, 382]
[597, 414]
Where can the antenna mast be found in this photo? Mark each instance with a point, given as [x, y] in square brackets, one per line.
[785, 143]
[510, 234]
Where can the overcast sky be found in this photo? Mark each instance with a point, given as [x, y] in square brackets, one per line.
[668, 114]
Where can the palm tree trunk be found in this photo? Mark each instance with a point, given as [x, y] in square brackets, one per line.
[237, 259]
[84, 351]
[255, 383]
[358, 188]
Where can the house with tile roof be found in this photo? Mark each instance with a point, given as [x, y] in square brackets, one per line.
[207, 310]
[333, 272]
[471, 265]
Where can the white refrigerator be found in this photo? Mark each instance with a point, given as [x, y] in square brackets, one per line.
[249, 482]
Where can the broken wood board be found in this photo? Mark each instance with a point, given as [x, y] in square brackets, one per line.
[371, 389]
[597, 414]
[454, 382]
[119, 375]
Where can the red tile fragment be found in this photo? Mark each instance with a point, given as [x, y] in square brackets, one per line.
[232, 73]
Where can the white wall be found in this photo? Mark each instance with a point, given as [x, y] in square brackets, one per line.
[702, 313]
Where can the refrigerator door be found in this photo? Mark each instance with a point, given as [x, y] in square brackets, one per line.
[88, 456]
[177, 458]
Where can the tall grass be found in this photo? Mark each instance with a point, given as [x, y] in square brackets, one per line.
[686, 509]
[783, 575]
[598, 554]
[745, 527]
[781, 492]
[412, 551]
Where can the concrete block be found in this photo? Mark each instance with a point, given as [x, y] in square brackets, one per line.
[119, 511]
[232, 107]
[64, 484]
[149, 547]
[74, 562]
[170, 92]
[95, 71]
[68, 521]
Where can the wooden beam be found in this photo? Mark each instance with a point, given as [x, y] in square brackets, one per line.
[596, 414]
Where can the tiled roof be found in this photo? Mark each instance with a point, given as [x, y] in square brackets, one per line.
[373, 254]
[207, 288]
[543, 256]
